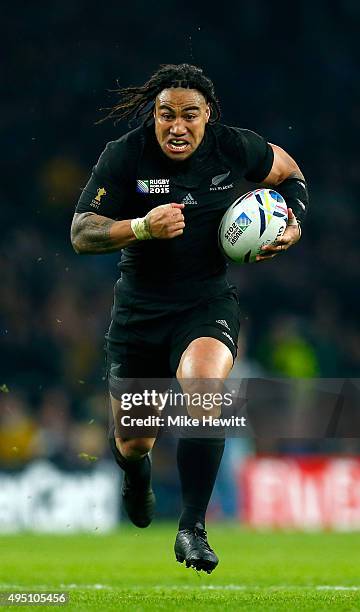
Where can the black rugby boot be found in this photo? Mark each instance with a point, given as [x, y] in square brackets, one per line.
[137, 495]
[191, 546]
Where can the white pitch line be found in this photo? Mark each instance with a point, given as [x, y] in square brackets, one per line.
[329, 587]
[179, 587]
[95, 586]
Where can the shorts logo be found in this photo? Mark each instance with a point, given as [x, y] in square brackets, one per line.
[153, 186]
[223, 322]
[95, 202]
[229, 337]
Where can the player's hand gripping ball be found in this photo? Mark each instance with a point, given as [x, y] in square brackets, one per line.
[255, 220]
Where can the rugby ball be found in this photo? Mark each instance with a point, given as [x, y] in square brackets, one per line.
[255, 219]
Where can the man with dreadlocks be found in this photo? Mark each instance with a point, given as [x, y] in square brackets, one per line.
[158, 193]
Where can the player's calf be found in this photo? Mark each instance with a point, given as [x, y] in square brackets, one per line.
[137, 494]
[135, 448]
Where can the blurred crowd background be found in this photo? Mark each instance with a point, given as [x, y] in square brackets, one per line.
[292, 77]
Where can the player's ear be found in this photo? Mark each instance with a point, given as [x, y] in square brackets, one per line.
[208, 112]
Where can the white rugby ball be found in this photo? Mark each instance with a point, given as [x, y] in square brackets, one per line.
[255, 219]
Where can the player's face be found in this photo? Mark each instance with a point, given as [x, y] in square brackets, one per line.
[180, 119]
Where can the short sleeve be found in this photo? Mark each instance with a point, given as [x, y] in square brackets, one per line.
[107, 190]
[259, 156]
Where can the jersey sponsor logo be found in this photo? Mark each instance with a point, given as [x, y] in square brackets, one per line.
[223, 322]
[95, 202]
[153, 186]
[188, 200]
[218, 179]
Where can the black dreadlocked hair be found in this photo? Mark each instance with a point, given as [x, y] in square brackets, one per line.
[135, 102]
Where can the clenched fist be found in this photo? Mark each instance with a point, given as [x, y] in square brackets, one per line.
[166, 221]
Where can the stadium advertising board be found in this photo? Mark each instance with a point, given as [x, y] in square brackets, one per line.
[43, 498]
[306, 493]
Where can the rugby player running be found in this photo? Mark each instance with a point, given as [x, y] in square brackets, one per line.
[158, 193]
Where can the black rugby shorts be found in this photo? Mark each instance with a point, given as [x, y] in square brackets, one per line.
[147, 339]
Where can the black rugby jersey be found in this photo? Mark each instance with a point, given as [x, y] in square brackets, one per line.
[133, 176]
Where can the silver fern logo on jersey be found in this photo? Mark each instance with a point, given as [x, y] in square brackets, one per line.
[218, 179]
[153, 186]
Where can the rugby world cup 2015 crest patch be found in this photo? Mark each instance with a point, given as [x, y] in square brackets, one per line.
[96, 201]
[153, 186]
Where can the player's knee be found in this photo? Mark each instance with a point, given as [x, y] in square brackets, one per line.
[205, 358]
[198, 412]
[134, 448]
[199, 371]
[201, 385]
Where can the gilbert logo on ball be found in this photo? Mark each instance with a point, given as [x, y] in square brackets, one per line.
[255, 219]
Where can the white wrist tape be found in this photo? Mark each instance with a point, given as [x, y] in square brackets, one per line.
[294, 222]
[141, 229]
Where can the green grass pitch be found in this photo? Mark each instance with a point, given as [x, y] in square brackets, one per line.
[136, 570]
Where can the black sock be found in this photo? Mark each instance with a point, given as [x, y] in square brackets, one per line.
[198, 463]
[138, 470]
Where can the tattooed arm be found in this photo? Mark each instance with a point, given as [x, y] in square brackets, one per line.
[93, 234]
